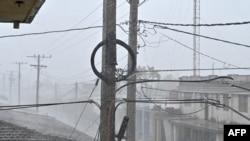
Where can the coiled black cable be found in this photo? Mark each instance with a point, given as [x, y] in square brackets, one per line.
[119, 76]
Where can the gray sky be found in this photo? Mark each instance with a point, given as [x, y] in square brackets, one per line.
[71, 51]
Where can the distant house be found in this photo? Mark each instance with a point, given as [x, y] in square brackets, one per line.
[210, 119]
[200, 121]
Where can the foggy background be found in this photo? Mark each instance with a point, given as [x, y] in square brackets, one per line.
[70, 62]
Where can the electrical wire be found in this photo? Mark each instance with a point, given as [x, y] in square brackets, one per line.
[82, 20]
[214, 103]
[180, 91]
[145, 32]
[97, 135]
[73, 37]
[84, 108]
[184, 101]
[205, 69]
[206, 25]
[99, 6]
[120, 76]
[50, 32]
[211, 103]
[187, 81]
[11, 107]
[188, 100]
[218, 60]
[240, 87]
[207, 37]
[77, 34]
[182, 44]
[92, 123]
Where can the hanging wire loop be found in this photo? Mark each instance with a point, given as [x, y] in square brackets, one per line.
[120, 76]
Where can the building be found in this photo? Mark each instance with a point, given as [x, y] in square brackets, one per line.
[200, 121]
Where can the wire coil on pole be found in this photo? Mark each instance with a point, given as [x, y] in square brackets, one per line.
[119, 72]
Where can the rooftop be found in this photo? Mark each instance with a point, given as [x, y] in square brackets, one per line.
[43, 124]
[200, 124]
[12, 132]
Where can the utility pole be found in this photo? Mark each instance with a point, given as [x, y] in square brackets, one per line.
[38, 67]
[107, 117]
[56, 97]
[4, 84]
[76, 90]
[11, 79]
[56, 93]
[76, 105]
[19, 80]
[131, 89]
[206, 111]
[196, 39]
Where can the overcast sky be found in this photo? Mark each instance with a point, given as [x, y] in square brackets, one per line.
[71, 51]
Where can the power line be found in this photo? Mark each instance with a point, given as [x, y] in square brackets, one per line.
[206, 25]
[181, 91]
[207, 37]
[182, 44]
[181, 101]
[84, 108]
[90, 24]
[77, 34]
[92, 123]
[97, 135]
[11, 107]
[89, 14]
[59, 38]
[205, 69]
[72, 37]
[187, 81]
[50, 32]
[198, 51]
[214, 103]
[177, 102]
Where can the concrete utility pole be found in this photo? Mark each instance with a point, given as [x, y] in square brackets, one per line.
[11, 79]
[76, 105]
[131, 89]
[107, 117]
[56, 93]
[76, 90]
[196, 39]
[56, 98]
[3, 84]
[19, 80]
[38, 67]
[206, 111]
